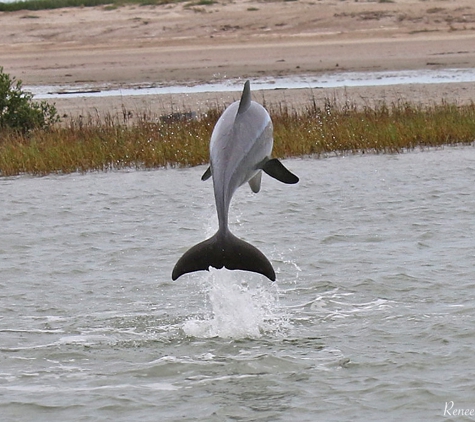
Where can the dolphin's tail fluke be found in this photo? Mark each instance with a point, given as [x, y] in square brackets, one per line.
[223, 251]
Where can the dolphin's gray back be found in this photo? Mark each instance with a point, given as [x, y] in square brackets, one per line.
[238, 143]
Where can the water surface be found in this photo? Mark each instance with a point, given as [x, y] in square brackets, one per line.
[371, 317]
[324, 80]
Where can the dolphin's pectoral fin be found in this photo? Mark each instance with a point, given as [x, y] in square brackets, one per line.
[206, 174]
[277, 170]
[219, 252]
[255, 182]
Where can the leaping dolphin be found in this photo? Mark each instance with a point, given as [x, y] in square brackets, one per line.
[240, 148]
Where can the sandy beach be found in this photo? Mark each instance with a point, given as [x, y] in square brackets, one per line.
[188, 43]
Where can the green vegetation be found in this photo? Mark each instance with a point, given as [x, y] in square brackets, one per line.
[18, 112]
[382, 129]
[57, 4]
[115, 142]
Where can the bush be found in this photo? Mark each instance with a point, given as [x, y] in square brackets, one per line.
[17, 109]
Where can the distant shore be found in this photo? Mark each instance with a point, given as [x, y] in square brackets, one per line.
[293, 99]
[188, 43]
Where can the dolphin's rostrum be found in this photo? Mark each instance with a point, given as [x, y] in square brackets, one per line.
[240, 148]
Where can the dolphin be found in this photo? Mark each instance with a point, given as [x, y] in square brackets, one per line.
[240, 149]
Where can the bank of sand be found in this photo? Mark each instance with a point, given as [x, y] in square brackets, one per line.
[187, 43]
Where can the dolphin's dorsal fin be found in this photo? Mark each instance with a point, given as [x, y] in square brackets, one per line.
[245, 98]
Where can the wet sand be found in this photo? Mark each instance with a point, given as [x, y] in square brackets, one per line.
[186, 43]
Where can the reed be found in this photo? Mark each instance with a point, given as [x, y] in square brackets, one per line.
[98, 143]
[382, 129]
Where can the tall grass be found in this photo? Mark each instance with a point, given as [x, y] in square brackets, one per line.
[114, 142]
[382, 129]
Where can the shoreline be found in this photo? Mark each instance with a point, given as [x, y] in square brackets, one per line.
[294, 99]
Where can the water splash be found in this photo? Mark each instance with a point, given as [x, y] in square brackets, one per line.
[239, 304]
[237, 309]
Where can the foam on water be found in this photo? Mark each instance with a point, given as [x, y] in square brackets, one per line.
[236, 309]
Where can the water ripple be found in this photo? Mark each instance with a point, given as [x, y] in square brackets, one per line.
[371, 316]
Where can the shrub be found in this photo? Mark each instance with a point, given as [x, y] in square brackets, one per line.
[17, 109]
